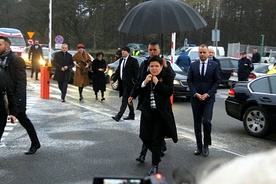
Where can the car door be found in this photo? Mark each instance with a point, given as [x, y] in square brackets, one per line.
[264, 91]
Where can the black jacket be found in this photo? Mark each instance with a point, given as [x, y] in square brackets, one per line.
[60, 60]
[162, 92]
[130, 73]
[245, 66]
[16, 72]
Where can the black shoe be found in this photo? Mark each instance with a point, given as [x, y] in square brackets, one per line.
[102, 99]
[128, 118]
[32, 150]
[96, 98]
[198, 152]
[116, 118]
[141, 158]
[153, 170]
[205, 151]
[81, 98]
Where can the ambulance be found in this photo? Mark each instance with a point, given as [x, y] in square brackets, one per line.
[16, 37]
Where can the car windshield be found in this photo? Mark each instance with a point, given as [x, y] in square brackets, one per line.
[176, 68]
[235, 63]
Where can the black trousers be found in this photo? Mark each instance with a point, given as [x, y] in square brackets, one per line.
[35, 68]
[203, 113]
[63, 88]
[124, 104]
[25, 122]
[157, 137]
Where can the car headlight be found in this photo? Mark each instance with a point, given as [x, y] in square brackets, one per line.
[176, 82]
[42, 62]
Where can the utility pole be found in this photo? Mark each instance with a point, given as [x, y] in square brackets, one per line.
[262, 45]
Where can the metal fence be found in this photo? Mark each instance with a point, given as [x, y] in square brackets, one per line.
[234, 49]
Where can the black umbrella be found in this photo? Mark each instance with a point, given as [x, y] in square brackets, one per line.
[161, 16]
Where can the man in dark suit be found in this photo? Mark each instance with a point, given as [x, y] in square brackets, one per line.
[35, 54]
[15, 69]
[63, 62]
[126, 74]
[203, 80]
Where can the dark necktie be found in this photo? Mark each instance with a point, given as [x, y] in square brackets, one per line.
[122, 68]
[202, 69]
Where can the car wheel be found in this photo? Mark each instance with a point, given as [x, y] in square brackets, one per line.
[115, 85]
[255, 122]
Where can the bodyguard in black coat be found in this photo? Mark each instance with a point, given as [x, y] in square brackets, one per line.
[126, 74]
[203, 86]
[245, 66]
[63, 62]
[15, 70]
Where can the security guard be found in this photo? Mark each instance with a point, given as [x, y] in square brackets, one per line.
[245, 66]
[135, 52]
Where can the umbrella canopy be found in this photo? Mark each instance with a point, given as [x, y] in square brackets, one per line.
[161, 16]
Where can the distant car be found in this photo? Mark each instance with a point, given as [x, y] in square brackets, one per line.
[227, 64]
[254, 103]
[111, 68]
[260, 69]
[72, 52]
[25, 56]
[141, 47]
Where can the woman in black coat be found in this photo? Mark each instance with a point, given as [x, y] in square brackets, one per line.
[99, 81]
[157, 119]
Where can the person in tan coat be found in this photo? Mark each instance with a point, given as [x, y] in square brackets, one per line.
[83, 61]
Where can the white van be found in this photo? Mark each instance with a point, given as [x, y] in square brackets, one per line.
[193, 52]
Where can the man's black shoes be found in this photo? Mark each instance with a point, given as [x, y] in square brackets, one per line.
[116, 118]
[141, 158]
[129, 118]
[198, 152]
[32, 150]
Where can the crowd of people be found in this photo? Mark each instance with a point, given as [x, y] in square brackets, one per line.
[151, 83]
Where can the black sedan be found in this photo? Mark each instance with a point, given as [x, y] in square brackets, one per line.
[181, 88]
[227, 64]
[254, 103]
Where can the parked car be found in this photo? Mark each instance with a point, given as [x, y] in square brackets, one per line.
[141, 47]
[111, 68]
[269, 57]
[227, 64]
[260, 69]
[25, 56]
[72, 52]
[181, 88]
[254, 103]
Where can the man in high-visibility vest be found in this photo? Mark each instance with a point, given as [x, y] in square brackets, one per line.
[135, 52]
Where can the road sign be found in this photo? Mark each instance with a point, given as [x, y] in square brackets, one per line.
[30, 41]
[30, 34]
[59, 39]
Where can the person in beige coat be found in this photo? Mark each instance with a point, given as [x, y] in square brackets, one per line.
[83, 61]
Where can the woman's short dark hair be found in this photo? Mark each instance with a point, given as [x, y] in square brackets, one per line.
[156, 58]
[99, 53]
